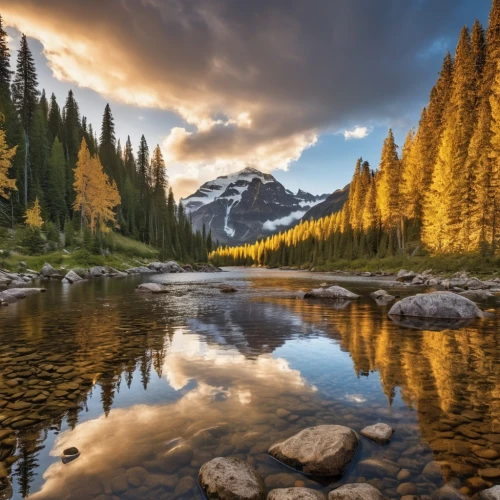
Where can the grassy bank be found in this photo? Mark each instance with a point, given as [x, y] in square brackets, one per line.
[123, 253]
[440, 264]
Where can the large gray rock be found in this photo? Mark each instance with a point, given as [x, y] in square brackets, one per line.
[21, 293]
[436, 305]
[48, 271]
[490, 494]
[5, 298]
[295, 494]
[229, 479]
[151, 288]
[325, 450]
[380, 433]
[333, 292]
[20, 283]
[357, 491]
[72, 277]
[166, 267]
[97, 271]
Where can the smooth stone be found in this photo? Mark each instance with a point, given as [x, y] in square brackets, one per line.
[446, 305]
[184, 485]
[403, 475]
[136, 476]
[151, 288]
[231, 478]
[447, 493]
[378, 467]
[490, 494]
[380, 433]
[406, 489]
[325, 450]
[333, 292]
[295, 494]
[489, 473]
[358, 491]
[177, 457]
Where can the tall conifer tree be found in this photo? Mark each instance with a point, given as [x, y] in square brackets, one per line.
[25, 97]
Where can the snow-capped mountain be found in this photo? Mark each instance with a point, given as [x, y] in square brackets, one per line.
[247, 205]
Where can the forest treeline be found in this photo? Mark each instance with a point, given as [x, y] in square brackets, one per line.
[57, 175]
[439, 194]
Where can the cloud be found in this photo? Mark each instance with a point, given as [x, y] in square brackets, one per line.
[255, 82]
[356, 133]
[272, 225]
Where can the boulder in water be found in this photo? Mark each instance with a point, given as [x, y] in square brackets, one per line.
[48, 271]
[151, 288]
[231, 478]
[332, 292]
[380, 433]
[325, 450]
[357, 491]
[437, 305]
[72, 277]
[490, 494]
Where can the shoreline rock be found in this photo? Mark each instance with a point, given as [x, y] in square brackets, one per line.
[151, 288]
[324, 450]
[332, 292]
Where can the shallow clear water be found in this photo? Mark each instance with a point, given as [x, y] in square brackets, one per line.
[126, 378]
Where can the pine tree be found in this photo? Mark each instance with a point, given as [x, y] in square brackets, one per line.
[54, 120]
[448, 185]
[493, 194]
[25, 95]
[39, 152]
[5, 72]
[72, 137]
[389, 182]
[56, 191]
[107, 145]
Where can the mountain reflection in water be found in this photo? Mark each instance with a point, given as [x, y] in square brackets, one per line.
[165, 383]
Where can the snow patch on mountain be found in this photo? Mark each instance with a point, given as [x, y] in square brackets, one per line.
[212, 190]
[272, 225]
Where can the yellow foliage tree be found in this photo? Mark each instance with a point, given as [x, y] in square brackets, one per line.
[6, 155]
[33, 216]
[96, 194]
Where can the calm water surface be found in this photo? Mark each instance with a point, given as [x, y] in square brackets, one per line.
[134, 382]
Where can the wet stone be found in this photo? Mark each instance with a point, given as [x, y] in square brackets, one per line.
[490, 473]
[358, 491]
[295, 494]
[380, 433]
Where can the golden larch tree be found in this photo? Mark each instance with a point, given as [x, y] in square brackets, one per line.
[34, 216]
[6, 155]
[96, 194]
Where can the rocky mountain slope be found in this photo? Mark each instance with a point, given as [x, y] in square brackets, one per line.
[333, 203]
[247, 205]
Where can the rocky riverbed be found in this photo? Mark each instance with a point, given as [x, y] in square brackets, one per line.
[150, 388]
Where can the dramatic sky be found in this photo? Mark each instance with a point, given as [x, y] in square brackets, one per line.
[299, 88]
